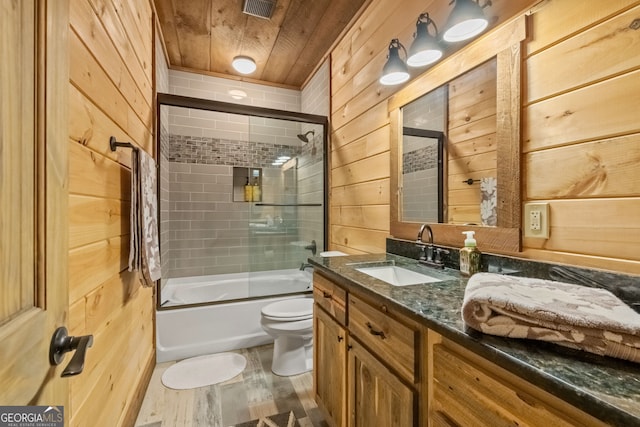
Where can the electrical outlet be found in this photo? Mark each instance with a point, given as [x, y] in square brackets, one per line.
[536, 220]
[534, 217]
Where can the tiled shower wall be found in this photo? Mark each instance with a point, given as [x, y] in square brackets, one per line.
[211, 234]
[208, 232]
[420, 177]
[315, 95]
[162, 85]
[237, 92]
[315, 100]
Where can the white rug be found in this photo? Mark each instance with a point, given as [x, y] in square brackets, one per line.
[203, 370]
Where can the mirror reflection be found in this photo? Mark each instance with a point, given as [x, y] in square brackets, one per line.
[448, 170]
[423, 125]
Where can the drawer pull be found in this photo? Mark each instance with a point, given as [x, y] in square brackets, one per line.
[375, 332]
[327, 294]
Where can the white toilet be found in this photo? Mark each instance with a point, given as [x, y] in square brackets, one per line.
[290, 323]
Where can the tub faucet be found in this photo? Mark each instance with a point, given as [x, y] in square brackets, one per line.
[426, 253]
[305, 266]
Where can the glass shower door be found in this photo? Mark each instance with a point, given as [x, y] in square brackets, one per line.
[286, 223]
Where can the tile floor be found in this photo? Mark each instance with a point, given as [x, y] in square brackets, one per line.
[253, 394]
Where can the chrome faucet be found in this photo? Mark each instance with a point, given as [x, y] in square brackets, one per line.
[428, 227]
[426, 250]
[305, 265]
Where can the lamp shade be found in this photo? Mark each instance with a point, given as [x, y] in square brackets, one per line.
[244, 64]
[425, 49]
[395, 71]
[467, 20]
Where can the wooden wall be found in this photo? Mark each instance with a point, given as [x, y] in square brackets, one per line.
[581, 132]
[471, 141]
[580, 127]
[110, 93]
[360, 133]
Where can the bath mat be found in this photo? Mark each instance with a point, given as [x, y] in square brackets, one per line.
[286, 419]
[203, 370]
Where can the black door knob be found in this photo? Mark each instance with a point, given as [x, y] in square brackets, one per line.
[62, 343]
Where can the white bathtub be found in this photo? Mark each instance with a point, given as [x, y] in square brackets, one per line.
[223, 326]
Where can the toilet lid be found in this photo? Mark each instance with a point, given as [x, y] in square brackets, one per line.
[289, 309]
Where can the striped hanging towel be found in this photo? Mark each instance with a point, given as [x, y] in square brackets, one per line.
[144, 251]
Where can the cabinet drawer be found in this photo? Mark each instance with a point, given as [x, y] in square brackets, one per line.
[465, 394]
[388, 338]
[330, 296]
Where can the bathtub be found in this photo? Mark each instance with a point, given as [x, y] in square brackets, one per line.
[223, 325]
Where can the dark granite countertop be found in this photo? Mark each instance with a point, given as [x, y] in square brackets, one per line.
[607, 388]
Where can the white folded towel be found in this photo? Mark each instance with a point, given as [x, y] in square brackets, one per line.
[575, 316]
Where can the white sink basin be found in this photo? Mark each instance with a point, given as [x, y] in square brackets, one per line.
[397, 276]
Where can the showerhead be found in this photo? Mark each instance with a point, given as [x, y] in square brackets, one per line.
[304, 137]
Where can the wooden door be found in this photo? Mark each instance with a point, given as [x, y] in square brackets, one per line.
[377, 397]
[330, 375]
[33, 198]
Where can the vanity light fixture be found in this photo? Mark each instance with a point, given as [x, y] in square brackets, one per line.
[425, 49]
[395, 70]
[466, 20]
[244, 64]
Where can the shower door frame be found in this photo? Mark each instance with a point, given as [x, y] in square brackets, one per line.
[246, 110]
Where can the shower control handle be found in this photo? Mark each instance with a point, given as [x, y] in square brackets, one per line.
[312, 247]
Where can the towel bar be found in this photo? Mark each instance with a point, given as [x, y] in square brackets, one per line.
[115, 144]
[470, 181]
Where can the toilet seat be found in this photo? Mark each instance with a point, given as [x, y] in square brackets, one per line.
[289, 310]
[297, 327]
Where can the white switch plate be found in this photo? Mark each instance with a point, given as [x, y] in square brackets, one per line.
[536, 220]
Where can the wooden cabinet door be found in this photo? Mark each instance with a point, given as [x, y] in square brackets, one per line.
[33, 199]
[469, 391]
[377, 397]
[329, 370]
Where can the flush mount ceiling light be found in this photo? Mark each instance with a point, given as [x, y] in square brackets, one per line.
[244, 64]
[395, 70]
[466, 20]
[425, 49]
[237, 94]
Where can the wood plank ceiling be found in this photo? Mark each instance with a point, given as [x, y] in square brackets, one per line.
[205, 35]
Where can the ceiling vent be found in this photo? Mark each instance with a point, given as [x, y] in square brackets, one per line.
[259, 8]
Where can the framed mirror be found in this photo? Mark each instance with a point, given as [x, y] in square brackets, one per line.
[491, 163]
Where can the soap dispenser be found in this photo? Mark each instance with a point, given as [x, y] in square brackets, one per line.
[469, 255]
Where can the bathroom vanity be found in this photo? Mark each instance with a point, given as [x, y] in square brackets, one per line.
[389, 355]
